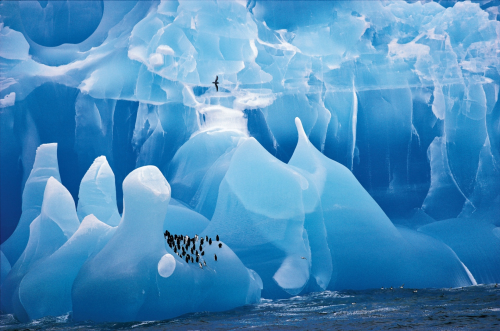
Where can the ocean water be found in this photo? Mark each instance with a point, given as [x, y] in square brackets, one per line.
[468, 308]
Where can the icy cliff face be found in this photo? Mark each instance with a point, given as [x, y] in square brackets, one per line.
[336, 131]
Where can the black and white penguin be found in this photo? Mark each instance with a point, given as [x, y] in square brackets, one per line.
[217, 237]
[215, 257]
[201, 241]
[197, 259]
[210, 241]
[201, 265]
[187, 259]
[201, 248]
[202, 253]
[206, 238]
[220, 245]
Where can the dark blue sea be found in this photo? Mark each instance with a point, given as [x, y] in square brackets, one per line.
[468, 308]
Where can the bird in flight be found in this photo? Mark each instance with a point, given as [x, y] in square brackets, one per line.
[216, 82]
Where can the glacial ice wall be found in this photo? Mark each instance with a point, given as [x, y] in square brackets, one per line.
[374, 84]
[372, 126]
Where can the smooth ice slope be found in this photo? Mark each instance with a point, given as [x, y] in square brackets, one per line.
[134, 278]
[311, 222]
[45, 166]
[97, 194]
[475, 241]
[46, 288]
[49, 231]
[361, 237]
[194, 159]
[5, 267]
[260, 215]
[182, 220]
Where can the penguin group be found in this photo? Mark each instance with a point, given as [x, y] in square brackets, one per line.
[190, 249]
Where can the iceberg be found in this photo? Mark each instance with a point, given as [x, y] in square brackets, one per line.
[310, 222]
[347, 145]
[97, 194]
[45, 167]
[134, 277]
[46, 289]
[47, 233]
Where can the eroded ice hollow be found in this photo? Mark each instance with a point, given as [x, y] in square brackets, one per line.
[391, 176]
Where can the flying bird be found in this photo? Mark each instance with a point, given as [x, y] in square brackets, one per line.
[216, 83]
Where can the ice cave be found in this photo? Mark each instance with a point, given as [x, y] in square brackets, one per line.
[166, 157]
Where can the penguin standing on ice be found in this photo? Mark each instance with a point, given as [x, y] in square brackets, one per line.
[220, 245]
[210, 241]
[215, 257]
[217, 237]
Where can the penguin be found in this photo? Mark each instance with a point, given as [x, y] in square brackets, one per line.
[165, 235]
[220, 245]
[201, 248]
[391, 288]
[402, 286]
[204, 263]
[175, 250]
[192, 260]
[201, 265]
[215, 257]
[210, 241]
[187, 259]
[206, 238]
[217, 237]
[202, 253]
[195, 237]
[201, 241]
[197, 259]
